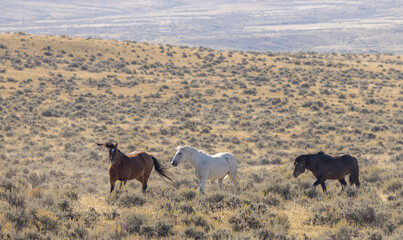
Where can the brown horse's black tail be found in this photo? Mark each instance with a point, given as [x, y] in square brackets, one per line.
[354, 172]
[160, 170]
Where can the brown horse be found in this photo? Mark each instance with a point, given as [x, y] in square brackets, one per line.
[136, 165]
[327, 167]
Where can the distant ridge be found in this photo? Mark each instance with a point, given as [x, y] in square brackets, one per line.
[278, 26]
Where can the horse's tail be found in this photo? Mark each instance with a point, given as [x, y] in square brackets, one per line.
[233, 165]
[160, 170]
[354, 172]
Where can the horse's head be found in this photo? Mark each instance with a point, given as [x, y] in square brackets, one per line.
[299, 164]
[112, 150]
[180, 155]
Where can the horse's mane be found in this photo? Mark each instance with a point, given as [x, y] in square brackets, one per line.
[183, 147]
[308, 156]
[300, 157]
[109, 145]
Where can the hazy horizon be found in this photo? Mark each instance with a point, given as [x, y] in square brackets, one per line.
[322, 26]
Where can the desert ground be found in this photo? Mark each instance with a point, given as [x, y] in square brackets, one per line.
[61, 95]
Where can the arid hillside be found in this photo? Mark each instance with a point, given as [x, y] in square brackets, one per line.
[59, 96]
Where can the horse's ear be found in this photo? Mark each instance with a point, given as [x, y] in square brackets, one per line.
[101, 144]
[116, 145]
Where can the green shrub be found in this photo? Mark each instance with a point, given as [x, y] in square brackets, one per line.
[65, 206]
[34, 179]
[71, 193]
[216, 198]
[32, 235]
[376, 235]
[187, 208]
[237, 224]
[311, 193]
[188, 194]
[391, 225]
[272, 199]
[16, 199]
[198, 221]
[148, 231]
[163, 229]
[195, 233]
[364, 215]
[45, 220]
[131, 199]
[111, 215]
[90, 217]
[394, 185]
[220, 234]
[243, 223]
[77, 231]
[283, 189]
[326, 214]
[47, 113]
[281, 223]
[343, 232]
[264, 234]
[131, 222]
[19, 218]
[352, 192]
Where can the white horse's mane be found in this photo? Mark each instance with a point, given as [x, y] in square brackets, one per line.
[183, 147]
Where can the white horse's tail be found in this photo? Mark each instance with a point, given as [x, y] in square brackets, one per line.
[233, 165]
[233, 169]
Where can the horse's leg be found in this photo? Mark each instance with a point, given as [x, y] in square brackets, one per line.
[220, 184]
[343, 183]
[354, 172]
[357, 181]
[112, 184]
[145, 180]
[322, 183]
[122, 184]
[316, 183]
[146, 175]
[320, 180]
[232, 175]
[141, 179]
[354, 180]
[144, 188]
[203, 182]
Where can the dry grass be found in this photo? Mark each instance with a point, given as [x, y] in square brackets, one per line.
[60, 95]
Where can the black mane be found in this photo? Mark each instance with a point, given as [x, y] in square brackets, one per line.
[299, 158]
[308, 156]
[109, 145]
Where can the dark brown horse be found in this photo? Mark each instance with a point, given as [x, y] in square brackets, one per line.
[136, 165]
[327, 167]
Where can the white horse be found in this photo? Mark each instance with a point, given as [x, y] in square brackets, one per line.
[208, 167]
